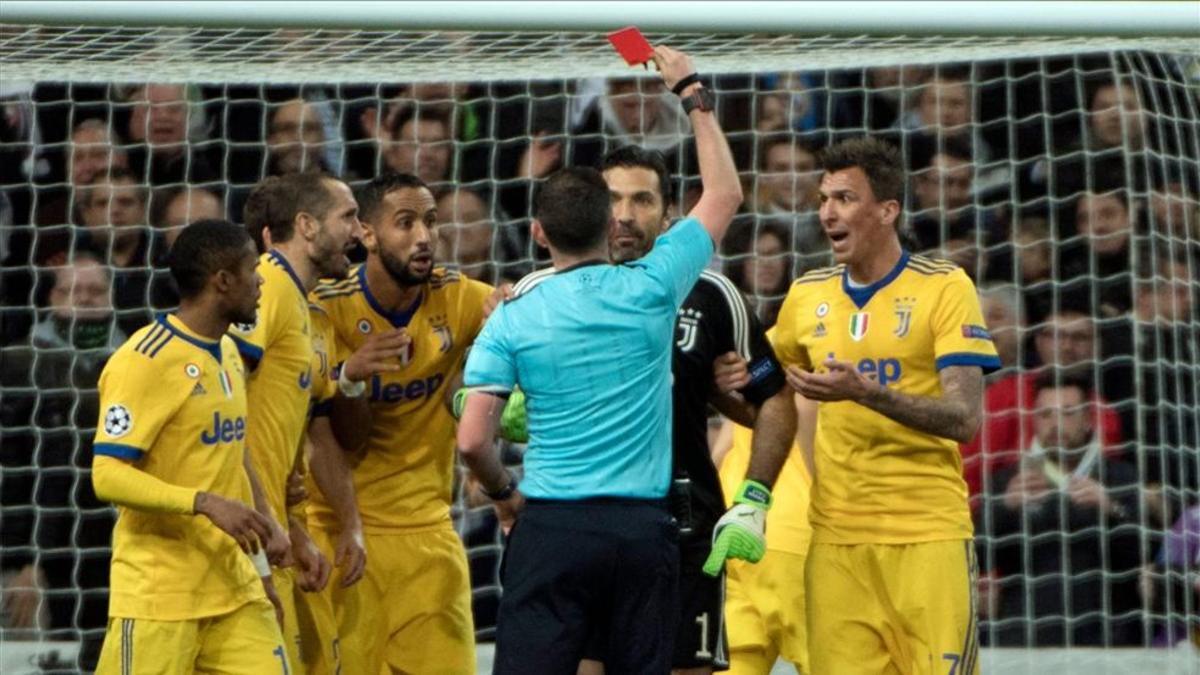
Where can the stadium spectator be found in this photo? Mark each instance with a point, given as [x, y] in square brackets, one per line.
[1098, 261]
[760, 264]
[628, 111]
[787, 178]
[47, 412]
[421, 144]
[167, 130]
[296, 139]
[1063, 529]
[467, 235]
[173, 209]
[944, 208]
[1172, 581]
[1033, 256]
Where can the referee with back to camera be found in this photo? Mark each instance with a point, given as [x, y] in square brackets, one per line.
[594, 556]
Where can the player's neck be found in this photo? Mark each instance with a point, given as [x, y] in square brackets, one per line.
[877, 264]
[202, 318]
[562, 260]
[389, 293]
[293, 252]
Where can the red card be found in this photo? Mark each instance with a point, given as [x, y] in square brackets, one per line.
[631, 45]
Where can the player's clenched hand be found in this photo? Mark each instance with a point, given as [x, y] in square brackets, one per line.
[350, 556]
[841, 381]
[279, 546]
[740, 534]
[498, 295]
[247, 526]
[508, 510]
[314, 567]
[672, 64]
[730, 372]
[379, 353]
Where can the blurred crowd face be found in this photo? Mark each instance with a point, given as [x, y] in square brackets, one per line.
[1063, 418]
[1067, 339]
[1168, 298]
[160, 115]
[190, 205]
[638, 210]
[1116, 116]
[1034, 249]
[81, 291]
[1175, 212]
[295, 137]
[1004, 324]
[767, 271]
[1105, 221]
[945, 185]
[116, 203]
[93, 154]
[637, 103]
[465, 230]
[788, 181]
[422, 147]
[946, 104]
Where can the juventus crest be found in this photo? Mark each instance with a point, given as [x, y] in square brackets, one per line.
[687, 327]
[904, 310]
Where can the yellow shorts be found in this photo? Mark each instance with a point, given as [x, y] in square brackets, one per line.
[317, 626]
[246, 640]
[904, 609]
[285, 585]
[411, 611]
[764, 613]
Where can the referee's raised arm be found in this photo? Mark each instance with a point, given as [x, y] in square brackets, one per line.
[722, 190]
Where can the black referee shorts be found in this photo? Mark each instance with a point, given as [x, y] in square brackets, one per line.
[600, 571]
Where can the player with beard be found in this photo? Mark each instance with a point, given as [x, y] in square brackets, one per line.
[412, 611]
[712, 321]
[311, 221]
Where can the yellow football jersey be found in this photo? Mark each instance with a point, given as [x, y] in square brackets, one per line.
[175, 405]
[403, 477]
[325, 357]
[878, 481]
[787, 521]
[279, 348]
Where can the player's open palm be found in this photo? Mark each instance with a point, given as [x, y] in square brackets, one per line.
[840, 381]
[379, 353]
[350, 556]
[248, 527]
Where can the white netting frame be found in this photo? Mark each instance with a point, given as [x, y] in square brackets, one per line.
[1121, 58]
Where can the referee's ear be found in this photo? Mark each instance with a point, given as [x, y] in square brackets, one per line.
[539, 235]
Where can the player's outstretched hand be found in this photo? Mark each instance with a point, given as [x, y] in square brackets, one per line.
[508, 510]
[730, 373]
[672, 64]
[841, 381]
[313, 566]
[248, 527]
[350, 556]
[379, 353]
[740, 534]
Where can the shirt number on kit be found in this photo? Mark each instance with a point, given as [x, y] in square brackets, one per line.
[703, 652]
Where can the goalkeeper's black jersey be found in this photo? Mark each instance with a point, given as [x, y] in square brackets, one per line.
[713, 320]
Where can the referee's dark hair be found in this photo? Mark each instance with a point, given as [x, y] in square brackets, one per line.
[636, 157]
[371, 195]
[277, 200]
[202, 249]
[574, 209]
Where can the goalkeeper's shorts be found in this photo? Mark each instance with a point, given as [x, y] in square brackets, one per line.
[246, 640]
[892, 608]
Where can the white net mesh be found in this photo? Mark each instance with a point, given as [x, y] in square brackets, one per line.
[1062, 173]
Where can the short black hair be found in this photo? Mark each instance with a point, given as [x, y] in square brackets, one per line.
[636, 157]
[1058, 378]
[423, 113]
[878, 159]
[574, 209]
[371, 195]
[202, 249]
[276, 201]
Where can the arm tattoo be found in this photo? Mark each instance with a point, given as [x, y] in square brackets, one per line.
[955, 415]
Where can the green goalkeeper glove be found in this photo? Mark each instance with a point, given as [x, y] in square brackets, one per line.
[740, 533]
[513, 426]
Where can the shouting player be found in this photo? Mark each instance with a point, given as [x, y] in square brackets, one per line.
[412, 610]
[893, 347]
[170, 452]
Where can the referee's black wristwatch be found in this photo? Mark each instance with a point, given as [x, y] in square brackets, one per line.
[504, 492]
[702, 99]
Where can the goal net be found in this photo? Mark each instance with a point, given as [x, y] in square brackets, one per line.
[1063, 173]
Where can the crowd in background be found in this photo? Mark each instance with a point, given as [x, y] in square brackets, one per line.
[1067, 188]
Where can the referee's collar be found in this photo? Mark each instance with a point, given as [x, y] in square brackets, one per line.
[583, 263]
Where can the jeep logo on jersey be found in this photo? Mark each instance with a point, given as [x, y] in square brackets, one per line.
[858, 325]
[398, 392]
[687, 327]
[224, 430]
